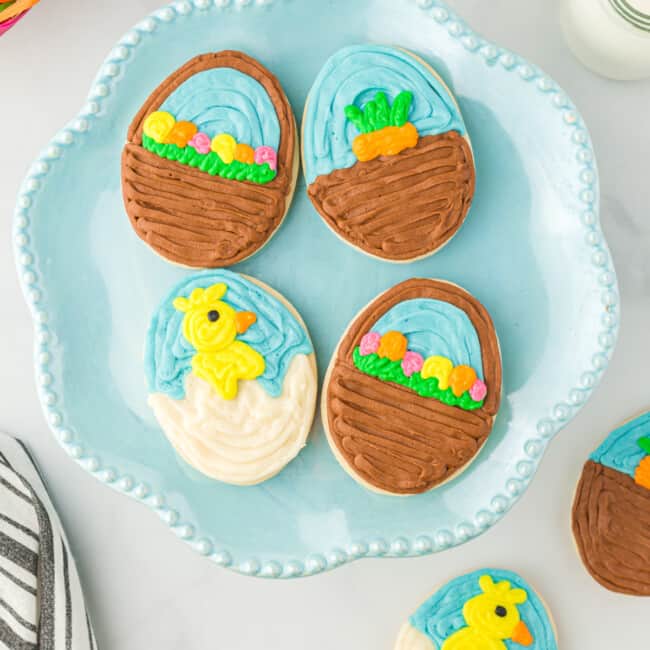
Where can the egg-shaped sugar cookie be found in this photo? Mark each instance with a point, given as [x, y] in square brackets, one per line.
[413, 387]
[611, 510]
[211, 161]
[490, 609]
[231, 374]
[386, 154]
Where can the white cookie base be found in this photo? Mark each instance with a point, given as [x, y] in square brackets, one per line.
[411, 639]
[246, 440]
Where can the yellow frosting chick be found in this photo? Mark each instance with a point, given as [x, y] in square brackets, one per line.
[212, 326]
[491, 617]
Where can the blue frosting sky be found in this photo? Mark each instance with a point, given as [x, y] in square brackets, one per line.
[224, 100]
[354, 75]
[276, 334]
[434, 327]
[620, 451]
[442, 614]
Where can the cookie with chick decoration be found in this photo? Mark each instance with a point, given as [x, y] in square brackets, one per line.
[490, 609]
[231, 373]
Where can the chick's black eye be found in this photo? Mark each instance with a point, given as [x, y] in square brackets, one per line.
[213, 315]
[501, 611]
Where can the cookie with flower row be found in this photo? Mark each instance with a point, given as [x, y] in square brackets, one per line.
[611, 510]
[386, 154]
[413, 387]
[211, 160]
[489, 609]
[231, 374]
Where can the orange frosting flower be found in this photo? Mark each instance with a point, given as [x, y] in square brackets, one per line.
[245, 153]
[393, 345]
[181, 134]
[461, 379]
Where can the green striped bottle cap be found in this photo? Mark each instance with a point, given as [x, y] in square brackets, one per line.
[636, 12]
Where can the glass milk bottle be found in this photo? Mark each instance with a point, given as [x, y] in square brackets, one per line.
[611, 37]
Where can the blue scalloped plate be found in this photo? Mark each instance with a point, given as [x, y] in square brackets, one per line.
[531, 250]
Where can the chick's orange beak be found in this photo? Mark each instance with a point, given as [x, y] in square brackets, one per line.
[243, 320]
[522, 635]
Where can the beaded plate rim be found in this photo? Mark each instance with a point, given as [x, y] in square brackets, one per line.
[531, 451]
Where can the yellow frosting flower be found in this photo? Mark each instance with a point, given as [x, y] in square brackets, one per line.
[224, 146]
[440, 368]
[158, 125]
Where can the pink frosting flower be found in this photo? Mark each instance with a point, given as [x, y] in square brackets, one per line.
[369, 343]
[201, 142]
[412, 362]
[266, 155]
[478, 391]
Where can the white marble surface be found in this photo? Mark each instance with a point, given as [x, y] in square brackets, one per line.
[146, 589]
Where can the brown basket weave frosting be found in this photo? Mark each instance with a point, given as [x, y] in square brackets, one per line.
[393, 439]
[190, 217]
[611, 526]
[401, 207]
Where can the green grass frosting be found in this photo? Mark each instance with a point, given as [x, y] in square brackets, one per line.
[387, 370]
[211, 162]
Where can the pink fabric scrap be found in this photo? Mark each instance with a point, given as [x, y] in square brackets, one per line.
[8, 24]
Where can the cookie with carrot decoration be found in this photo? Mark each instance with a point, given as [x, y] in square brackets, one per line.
[231, 374]
[413, 387]
[386, 154]
[490, 609]
[211, 161]
[611, 510]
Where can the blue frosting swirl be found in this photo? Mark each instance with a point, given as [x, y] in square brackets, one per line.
[621, 450]
[435, 327]
[276, 334]
[354, 75]
[225, 100]
[442, 614]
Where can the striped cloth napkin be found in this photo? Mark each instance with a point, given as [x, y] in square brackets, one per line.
[41, 602]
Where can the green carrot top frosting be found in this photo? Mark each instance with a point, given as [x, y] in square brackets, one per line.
[644, 443]
[378, 114]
